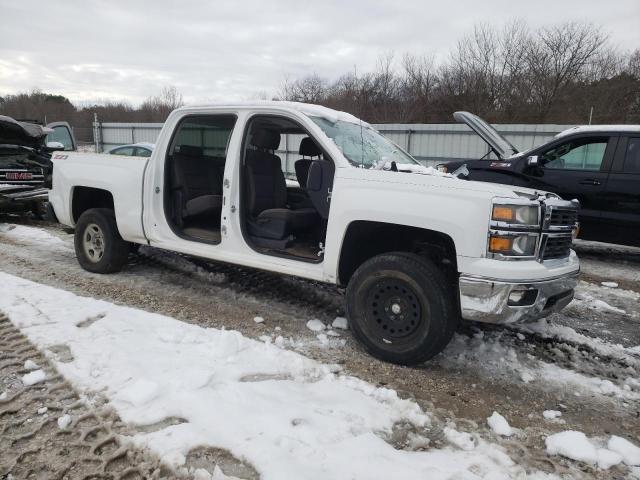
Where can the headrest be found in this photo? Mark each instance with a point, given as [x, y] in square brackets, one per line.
[267, 139]
[189, 150]
[308, 148]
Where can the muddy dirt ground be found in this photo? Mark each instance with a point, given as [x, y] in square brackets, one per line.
[480, 372]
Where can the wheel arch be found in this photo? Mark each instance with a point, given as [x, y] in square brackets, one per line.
[85, 198]
[365, 239]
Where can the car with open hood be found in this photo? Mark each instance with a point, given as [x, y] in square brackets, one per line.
[598, 165]
[25, 160]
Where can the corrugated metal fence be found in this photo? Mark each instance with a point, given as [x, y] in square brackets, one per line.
[429, 143]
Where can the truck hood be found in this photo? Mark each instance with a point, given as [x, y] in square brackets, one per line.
[500, 145]
[13, 132]
[431, 177]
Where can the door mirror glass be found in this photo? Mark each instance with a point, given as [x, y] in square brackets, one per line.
[532, 160]
[55, 146]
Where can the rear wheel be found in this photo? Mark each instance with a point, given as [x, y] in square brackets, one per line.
[400, 308]
[98, 244]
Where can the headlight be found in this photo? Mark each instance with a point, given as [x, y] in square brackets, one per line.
[516, 214]
[513, 245]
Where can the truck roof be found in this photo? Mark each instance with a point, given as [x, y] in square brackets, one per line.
[600, 129]
[309, 109]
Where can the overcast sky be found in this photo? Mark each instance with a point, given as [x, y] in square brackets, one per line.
[215, 51]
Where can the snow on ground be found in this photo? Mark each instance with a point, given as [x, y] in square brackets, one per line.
[577, 446]
[499, 425]
[287, 415]
[499, 358]
[31, 235]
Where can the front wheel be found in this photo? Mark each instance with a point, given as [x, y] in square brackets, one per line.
[401, 308]
[98, 244]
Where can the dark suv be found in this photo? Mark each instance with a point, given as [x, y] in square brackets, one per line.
[598, 165]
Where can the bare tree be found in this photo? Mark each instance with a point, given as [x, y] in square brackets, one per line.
[157, 108]
[559, 57]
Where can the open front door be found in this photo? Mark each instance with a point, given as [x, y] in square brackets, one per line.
[62, 133]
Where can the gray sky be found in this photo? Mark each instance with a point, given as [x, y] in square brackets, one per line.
[215, 50]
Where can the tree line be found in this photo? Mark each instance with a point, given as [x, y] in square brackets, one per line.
[44, 108]
[568, 73]
[557, 74]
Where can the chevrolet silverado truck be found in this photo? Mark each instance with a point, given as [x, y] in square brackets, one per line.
[599, 165]
[416, 250]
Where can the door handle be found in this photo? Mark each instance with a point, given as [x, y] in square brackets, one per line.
[590, 181]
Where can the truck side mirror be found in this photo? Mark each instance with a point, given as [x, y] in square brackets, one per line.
[532, 160]
[54, 146]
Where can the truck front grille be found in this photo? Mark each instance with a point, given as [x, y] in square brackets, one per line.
[556, 246]
[563, 217]
[560, 220]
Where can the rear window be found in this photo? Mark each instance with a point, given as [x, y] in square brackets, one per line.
[210, 132]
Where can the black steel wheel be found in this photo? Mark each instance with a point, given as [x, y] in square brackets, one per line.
[400, 308]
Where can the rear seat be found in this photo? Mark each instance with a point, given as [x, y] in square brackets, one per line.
[197, 183]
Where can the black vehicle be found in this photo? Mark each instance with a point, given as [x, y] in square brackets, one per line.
[598, 165]
[25, 161]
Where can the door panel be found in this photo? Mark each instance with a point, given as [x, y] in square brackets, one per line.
[577, 169]
[621, 211]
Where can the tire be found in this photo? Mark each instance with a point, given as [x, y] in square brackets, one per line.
[400, 308]
[99, 246]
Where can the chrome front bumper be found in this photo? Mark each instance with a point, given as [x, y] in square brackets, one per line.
[494, 301]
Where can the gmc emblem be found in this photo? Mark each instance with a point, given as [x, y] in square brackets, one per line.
[19, 176]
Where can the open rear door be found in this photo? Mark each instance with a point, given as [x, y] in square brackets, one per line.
[500, 145]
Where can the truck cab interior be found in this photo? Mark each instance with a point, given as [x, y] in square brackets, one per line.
[194, 174]
[280, 216]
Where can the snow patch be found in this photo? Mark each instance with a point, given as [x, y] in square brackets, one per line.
[462, 440]
[315, 325]
[551, 414]
[31, 365]
[64, 421]
[258, 319]
[340, 323]
[31, 378]
[609, 284]
[499, 425]
[629, 452]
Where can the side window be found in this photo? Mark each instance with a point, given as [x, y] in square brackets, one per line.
[128, 151]
[581, 154]
[61, 134]
[632, 157]
[142, 152]
[210, 133]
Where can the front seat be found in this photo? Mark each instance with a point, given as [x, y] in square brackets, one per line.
[270, 216]
[197, 184]
[308, 148]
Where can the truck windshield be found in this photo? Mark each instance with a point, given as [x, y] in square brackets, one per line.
[363, 146]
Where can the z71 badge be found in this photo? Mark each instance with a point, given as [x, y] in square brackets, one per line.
[500, 164]
[60, 156]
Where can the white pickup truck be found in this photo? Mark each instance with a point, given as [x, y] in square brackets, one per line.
[417, 250]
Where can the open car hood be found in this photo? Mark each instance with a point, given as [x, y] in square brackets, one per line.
[500, 145]
[13, 132]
